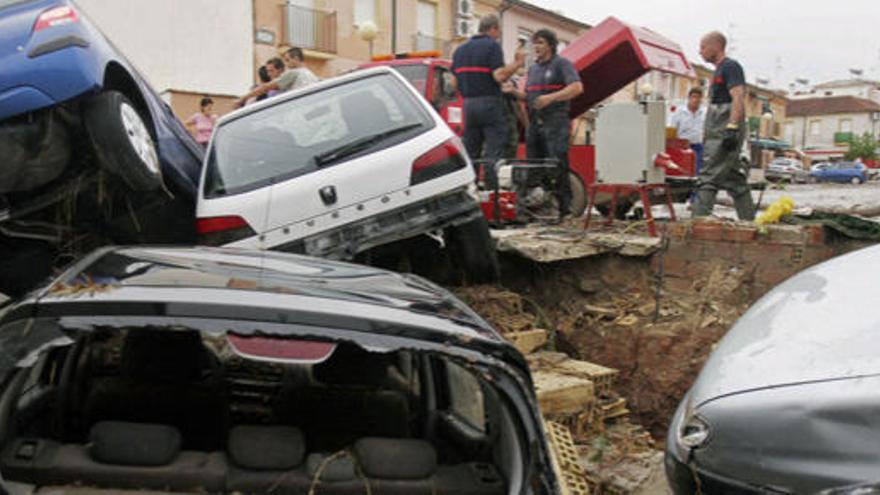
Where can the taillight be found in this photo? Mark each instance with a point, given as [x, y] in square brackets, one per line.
[439, 161]
[56, 17]
[217, 231]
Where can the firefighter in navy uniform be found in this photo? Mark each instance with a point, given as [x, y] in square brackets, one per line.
[723, 134]
[478, 66]
[552, 83]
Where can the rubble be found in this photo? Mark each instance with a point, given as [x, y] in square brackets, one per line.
[546, 244]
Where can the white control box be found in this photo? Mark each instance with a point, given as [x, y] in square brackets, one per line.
[629, 136]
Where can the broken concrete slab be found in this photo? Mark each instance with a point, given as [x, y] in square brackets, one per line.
[549, 244]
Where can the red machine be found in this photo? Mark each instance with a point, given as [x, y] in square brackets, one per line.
[607, 57]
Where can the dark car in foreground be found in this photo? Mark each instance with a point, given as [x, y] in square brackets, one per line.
[788, 401]
[224, 370]
[89, 150]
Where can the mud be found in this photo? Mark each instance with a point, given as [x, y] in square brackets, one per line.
[604, 310]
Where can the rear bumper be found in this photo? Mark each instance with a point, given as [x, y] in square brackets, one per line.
[425, 216]
[50, 78]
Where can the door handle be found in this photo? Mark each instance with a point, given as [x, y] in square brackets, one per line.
[328, 195]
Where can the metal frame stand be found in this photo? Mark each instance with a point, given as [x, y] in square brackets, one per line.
[644, 191]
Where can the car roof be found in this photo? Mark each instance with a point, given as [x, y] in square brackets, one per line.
[264, 284]
[312, 88]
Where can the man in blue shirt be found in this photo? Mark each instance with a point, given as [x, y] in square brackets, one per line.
[552, 83]
[479, 70]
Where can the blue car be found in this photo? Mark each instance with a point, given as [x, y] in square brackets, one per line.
[846, 172]
[88, 148]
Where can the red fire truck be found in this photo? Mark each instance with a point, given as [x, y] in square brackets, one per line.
[608, 57]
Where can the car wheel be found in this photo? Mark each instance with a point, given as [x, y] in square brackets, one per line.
[472, 249]
[855, 180]
[578, 195]
[812, 180]
[122, 141]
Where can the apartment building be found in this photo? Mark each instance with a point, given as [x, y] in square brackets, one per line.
[828, 123]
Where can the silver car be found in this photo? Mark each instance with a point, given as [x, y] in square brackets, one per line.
[789, 401]
[786, 170]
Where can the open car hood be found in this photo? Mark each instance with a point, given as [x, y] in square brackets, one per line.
[614, 54]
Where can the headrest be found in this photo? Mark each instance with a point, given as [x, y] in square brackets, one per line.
[396, 459]
[163, 355]
[352, 365]
[133, 444]
[269, 448]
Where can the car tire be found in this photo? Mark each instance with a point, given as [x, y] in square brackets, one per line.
[578, 195]
[855, 181]
[472, 249]
[122, 141]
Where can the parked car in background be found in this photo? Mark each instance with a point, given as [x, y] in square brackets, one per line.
[90, 152]
[786, 170]
[787, 402]
[238, 371]
[844, 172]
[339, 168]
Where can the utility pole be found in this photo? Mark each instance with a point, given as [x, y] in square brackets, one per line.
[393, 26]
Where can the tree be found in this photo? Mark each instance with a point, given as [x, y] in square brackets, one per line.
[864, 147]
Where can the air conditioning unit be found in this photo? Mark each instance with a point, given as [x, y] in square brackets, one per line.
[465, 27]
[464, 8]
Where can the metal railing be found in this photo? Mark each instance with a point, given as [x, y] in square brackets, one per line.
[309, 28]
[422, 42]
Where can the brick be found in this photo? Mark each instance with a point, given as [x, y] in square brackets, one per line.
[677, 284]
[707, 231]
[786, 234]
[723, 251]
[740, 233]
[672, 265]
[815, 235]
[678, 230]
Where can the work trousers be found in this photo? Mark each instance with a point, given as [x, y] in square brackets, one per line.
[722, 169]
[485, 133]
[548, 137]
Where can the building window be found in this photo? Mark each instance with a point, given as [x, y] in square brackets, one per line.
[524, 39]
[364, 10]
[789, 131]
[845, 125]
[426, 18]
[815, 128]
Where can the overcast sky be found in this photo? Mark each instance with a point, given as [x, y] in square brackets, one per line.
[779, 40]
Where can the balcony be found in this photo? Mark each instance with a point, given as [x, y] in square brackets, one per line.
[422, 42]
[310, 29]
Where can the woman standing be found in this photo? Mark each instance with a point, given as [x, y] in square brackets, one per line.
[203, 121]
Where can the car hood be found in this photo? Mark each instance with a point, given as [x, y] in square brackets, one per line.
[818, 325]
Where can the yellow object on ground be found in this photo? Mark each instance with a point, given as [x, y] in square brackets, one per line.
[780, 208]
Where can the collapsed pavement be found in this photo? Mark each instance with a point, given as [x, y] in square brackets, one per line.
[611, 355]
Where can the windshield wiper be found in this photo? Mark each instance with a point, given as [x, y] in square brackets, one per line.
[360, 145]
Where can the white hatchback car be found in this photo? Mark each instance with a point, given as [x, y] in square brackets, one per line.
[338, 168]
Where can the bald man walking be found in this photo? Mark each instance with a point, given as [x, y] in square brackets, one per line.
[724, 133]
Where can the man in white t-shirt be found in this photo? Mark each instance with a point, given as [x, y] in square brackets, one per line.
[297, 74]
[689, 121]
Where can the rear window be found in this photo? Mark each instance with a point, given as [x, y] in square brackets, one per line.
[416, 74]
[318, 129]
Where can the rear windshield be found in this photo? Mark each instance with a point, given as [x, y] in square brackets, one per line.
[416, 74]
[318, 129]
